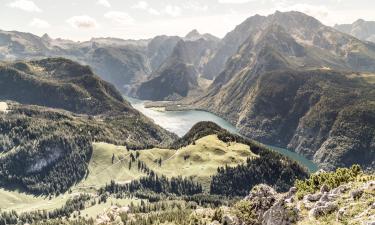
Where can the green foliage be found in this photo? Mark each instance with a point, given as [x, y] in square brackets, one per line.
[244, 210]
[331, 179]
[269, 168]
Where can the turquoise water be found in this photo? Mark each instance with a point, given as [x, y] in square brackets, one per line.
[180, 122]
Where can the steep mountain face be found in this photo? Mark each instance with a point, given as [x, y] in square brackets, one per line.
[121, 66]
[271, 89]
[159, 49]
[178, 75]
[361, 29]
[322, 41]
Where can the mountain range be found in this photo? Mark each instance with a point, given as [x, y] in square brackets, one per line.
[297, 83]
[284, 79]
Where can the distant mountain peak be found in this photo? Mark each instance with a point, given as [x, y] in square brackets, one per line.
[192, 34]
[359, 21]
[46, 37]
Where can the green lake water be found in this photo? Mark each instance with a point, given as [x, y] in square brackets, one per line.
[180, 122]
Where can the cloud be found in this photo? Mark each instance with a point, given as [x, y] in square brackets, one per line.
[119, 17]
[142, 5]
[25, 5]
[39, 23]
[172, 10]
[234, 1]
[318, 11]
[195, 6]
[82, 22]
[104, 3]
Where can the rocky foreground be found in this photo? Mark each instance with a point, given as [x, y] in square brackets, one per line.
[346, 196]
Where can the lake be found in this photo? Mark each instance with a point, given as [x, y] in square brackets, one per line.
[180, 122]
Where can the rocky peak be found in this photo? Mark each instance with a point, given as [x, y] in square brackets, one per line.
[193, 34]
[46, 37]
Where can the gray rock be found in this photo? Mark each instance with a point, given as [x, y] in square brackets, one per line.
[325, 209]
[230, 219]
[340, 214]
[339, 190]
[370, 186]
[356, 194]
[313, 197]
[280, 214]
[324, 197]
[324, 188]
[215, 222]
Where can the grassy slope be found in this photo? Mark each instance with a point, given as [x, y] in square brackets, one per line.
[206, 156]
[14, 200]
[101, 169]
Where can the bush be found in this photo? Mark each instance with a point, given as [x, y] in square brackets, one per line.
[331, 179]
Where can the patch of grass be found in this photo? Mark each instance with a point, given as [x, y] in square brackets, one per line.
[102, 170]
[21, 202]
[200, 159]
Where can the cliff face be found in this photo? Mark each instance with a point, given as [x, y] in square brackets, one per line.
[289, 84]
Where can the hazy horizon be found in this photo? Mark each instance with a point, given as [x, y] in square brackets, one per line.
[84, 19]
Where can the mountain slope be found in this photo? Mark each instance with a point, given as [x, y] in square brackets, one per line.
[59, 83]
[281, 88]
[178, 75]
[44, 145]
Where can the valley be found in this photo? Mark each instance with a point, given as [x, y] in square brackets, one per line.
[270, 123]
[180, 122]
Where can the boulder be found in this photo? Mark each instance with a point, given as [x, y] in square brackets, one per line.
[370, 186]
[356, 194]
[322, 210]
[280, 214]
[230, 219]
[313, 197]
[340, 189]
[324, 188]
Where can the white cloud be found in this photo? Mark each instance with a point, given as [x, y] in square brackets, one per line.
[82, 22]
[142, 5]
[153, 11]
[119, 17]
[317, 11]
[25, 5]
[39, 23]
[195, 6]
[235, 1]
[172, 10]
[104, 3]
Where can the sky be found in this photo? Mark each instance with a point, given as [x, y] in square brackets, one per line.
[81, 20]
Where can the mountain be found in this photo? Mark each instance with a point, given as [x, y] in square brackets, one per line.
[59, 83]
[361, 29]
[178, 76]
[307, 31]
[291, 84]
[55, 109]
[195, 35]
